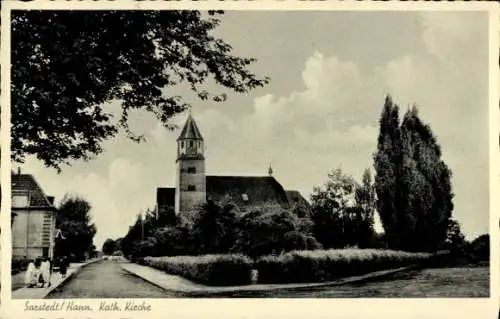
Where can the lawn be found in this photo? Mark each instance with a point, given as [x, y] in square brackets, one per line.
[434, 283]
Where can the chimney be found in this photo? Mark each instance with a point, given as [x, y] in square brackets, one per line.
[19, 171]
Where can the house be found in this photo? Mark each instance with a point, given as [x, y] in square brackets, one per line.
[33, 213]
[194, 187]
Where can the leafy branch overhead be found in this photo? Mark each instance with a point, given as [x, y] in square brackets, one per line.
[67, 64]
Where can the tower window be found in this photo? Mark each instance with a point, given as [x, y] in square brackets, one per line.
[191, 143]
[182, 144]
[192, 170]
[191, 188]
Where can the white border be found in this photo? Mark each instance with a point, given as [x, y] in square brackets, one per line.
[264, 308]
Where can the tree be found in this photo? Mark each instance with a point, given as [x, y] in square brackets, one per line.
[67, 64]
[387, 162]
[425, 188]
[413, 184]
[109, 246]
[479, 248]
[364, 211]
[333, 210]
[213, 229]
[455, 240]
[271, 229]
[73, 219]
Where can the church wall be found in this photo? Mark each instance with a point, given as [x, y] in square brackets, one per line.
[186, 197]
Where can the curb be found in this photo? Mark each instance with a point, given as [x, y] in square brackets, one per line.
[293, 287]
[153, 283]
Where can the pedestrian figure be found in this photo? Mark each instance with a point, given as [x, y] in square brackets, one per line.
[46, 271]
[33, 273]
[63, 266]
[30, 278]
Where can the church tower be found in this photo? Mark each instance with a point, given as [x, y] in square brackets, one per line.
[190, 190]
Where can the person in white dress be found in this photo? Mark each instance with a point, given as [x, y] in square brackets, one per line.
[45, 271]
[33, 273]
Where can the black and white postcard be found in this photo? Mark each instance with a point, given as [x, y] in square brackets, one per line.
[216, 159]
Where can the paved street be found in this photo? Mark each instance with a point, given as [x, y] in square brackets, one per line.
[106, 279]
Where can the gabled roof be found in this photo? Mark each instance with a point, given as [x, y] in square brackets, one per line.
[258, 190]
[27, 183]
[190, 130]
[242, 190]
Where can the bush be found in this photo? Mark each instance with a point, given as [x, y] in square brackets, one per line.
[327, 265]
[216, 270]
[19, 264]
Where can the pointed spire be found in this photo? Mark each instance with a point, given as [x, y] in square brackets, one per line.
[270, 170]
[190, 129]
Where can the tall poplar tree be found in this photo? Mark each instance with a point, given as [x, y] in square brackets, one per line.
[425, 186]
[387, 166]
[413, 184]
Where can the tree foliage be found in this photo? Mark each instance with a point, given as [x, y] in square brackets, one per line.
[74, 220]
[387, 165]
[67, 64]
[343, 211]
[109, 246]
[214, 228]
[413, 184]
[271, 229]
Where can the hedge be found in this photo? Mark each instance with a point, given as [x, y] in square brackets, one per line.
[216, 270]
[327, 265]
[19, 264]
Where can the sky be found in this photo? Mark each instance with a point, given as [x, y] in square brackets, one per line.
[330, 73]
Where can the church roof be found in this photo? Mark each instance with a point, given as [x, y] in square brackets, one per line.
[190, 130]
[26, 183]
[243, 191]
[247, 190]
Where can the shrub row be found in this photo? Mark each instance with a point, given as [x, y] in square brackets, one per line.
[291, 267]
[327, 265]
[217, 270]
[19, 264]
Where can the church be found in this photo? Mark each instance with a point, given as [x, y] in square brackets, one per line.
[193, 187]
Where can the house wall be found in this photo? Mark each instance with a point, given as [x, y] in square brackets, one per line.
[33, 233]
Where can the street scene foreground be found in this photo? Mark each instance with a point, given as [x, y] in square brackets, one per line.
[113, 279]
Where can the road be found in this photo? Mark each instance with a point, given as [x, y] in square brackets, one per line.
[106, 279]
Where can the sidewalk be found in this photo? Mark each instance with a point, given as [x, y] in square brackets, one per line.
[56, 280]
[179, 284]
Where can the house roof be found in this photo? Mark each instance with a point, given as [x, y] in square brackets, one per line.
[27, 183]
[190, 130]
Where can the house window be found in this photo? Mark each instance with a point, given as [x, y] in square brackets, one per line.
[192, 170]
[191, 188]
[20, 201]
